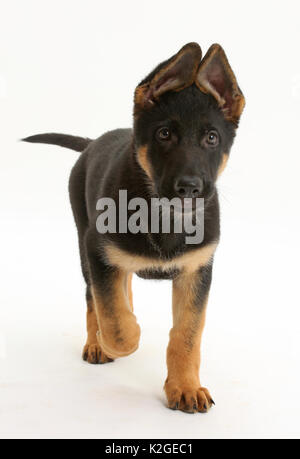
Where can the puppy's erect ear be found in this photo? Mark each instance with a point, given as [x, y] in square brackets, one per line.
[175, 74]
[216, 77]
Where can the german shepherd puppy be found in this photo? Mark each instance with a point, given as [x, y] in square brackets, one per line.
[186, 113]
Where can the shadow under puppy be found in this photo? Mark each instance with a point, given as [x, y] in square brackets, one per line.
[185, 117]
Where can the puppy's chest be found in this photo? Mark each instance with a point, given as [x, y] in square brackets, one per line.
[157, 268]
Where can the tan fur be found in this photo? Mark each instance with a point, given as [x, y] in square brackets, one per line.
[223, 163]
[183, 388]
[144, 162]
[133, 263]
[140, 95]
[119, 332]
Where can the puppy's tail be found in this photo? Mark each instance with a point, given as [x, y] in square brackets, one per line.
[63, 140]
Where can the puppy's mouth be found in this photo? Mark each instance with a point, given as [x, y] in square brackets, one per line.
[188, 205]
[182, 205]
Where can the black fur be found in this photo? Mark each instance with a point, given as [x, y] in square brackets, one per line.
[62, 140]
[110, 164]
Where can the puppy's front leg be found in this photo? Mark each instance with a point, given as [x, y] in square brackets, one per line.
[119, 332]
[183, 388]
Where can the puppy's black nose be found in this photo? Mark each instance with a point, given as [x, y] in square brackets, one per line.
[189, 186]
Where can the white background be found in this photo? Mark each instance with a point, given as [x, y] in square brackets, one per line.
[72, 66]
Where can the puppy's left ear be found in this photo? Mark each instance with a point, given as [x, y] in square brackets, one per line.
[216, 77]
[173, 75]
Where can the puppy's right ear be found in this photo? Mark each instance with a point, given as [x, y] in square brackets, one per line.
[175, 74]
[215, 77]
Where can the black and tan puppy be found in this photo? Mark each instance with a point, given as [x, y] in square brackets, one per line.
[185, 117]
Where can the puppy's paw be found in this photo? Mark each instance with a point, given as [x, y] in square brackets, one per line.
[188, 399]
[120, 340]
[93, 354]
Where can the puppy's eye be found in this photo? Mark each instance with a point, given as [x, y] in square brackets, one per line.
[163, 133]
[211, 138]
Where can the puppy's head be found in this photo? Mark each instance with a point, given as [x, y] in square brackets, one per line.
[185, 116]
